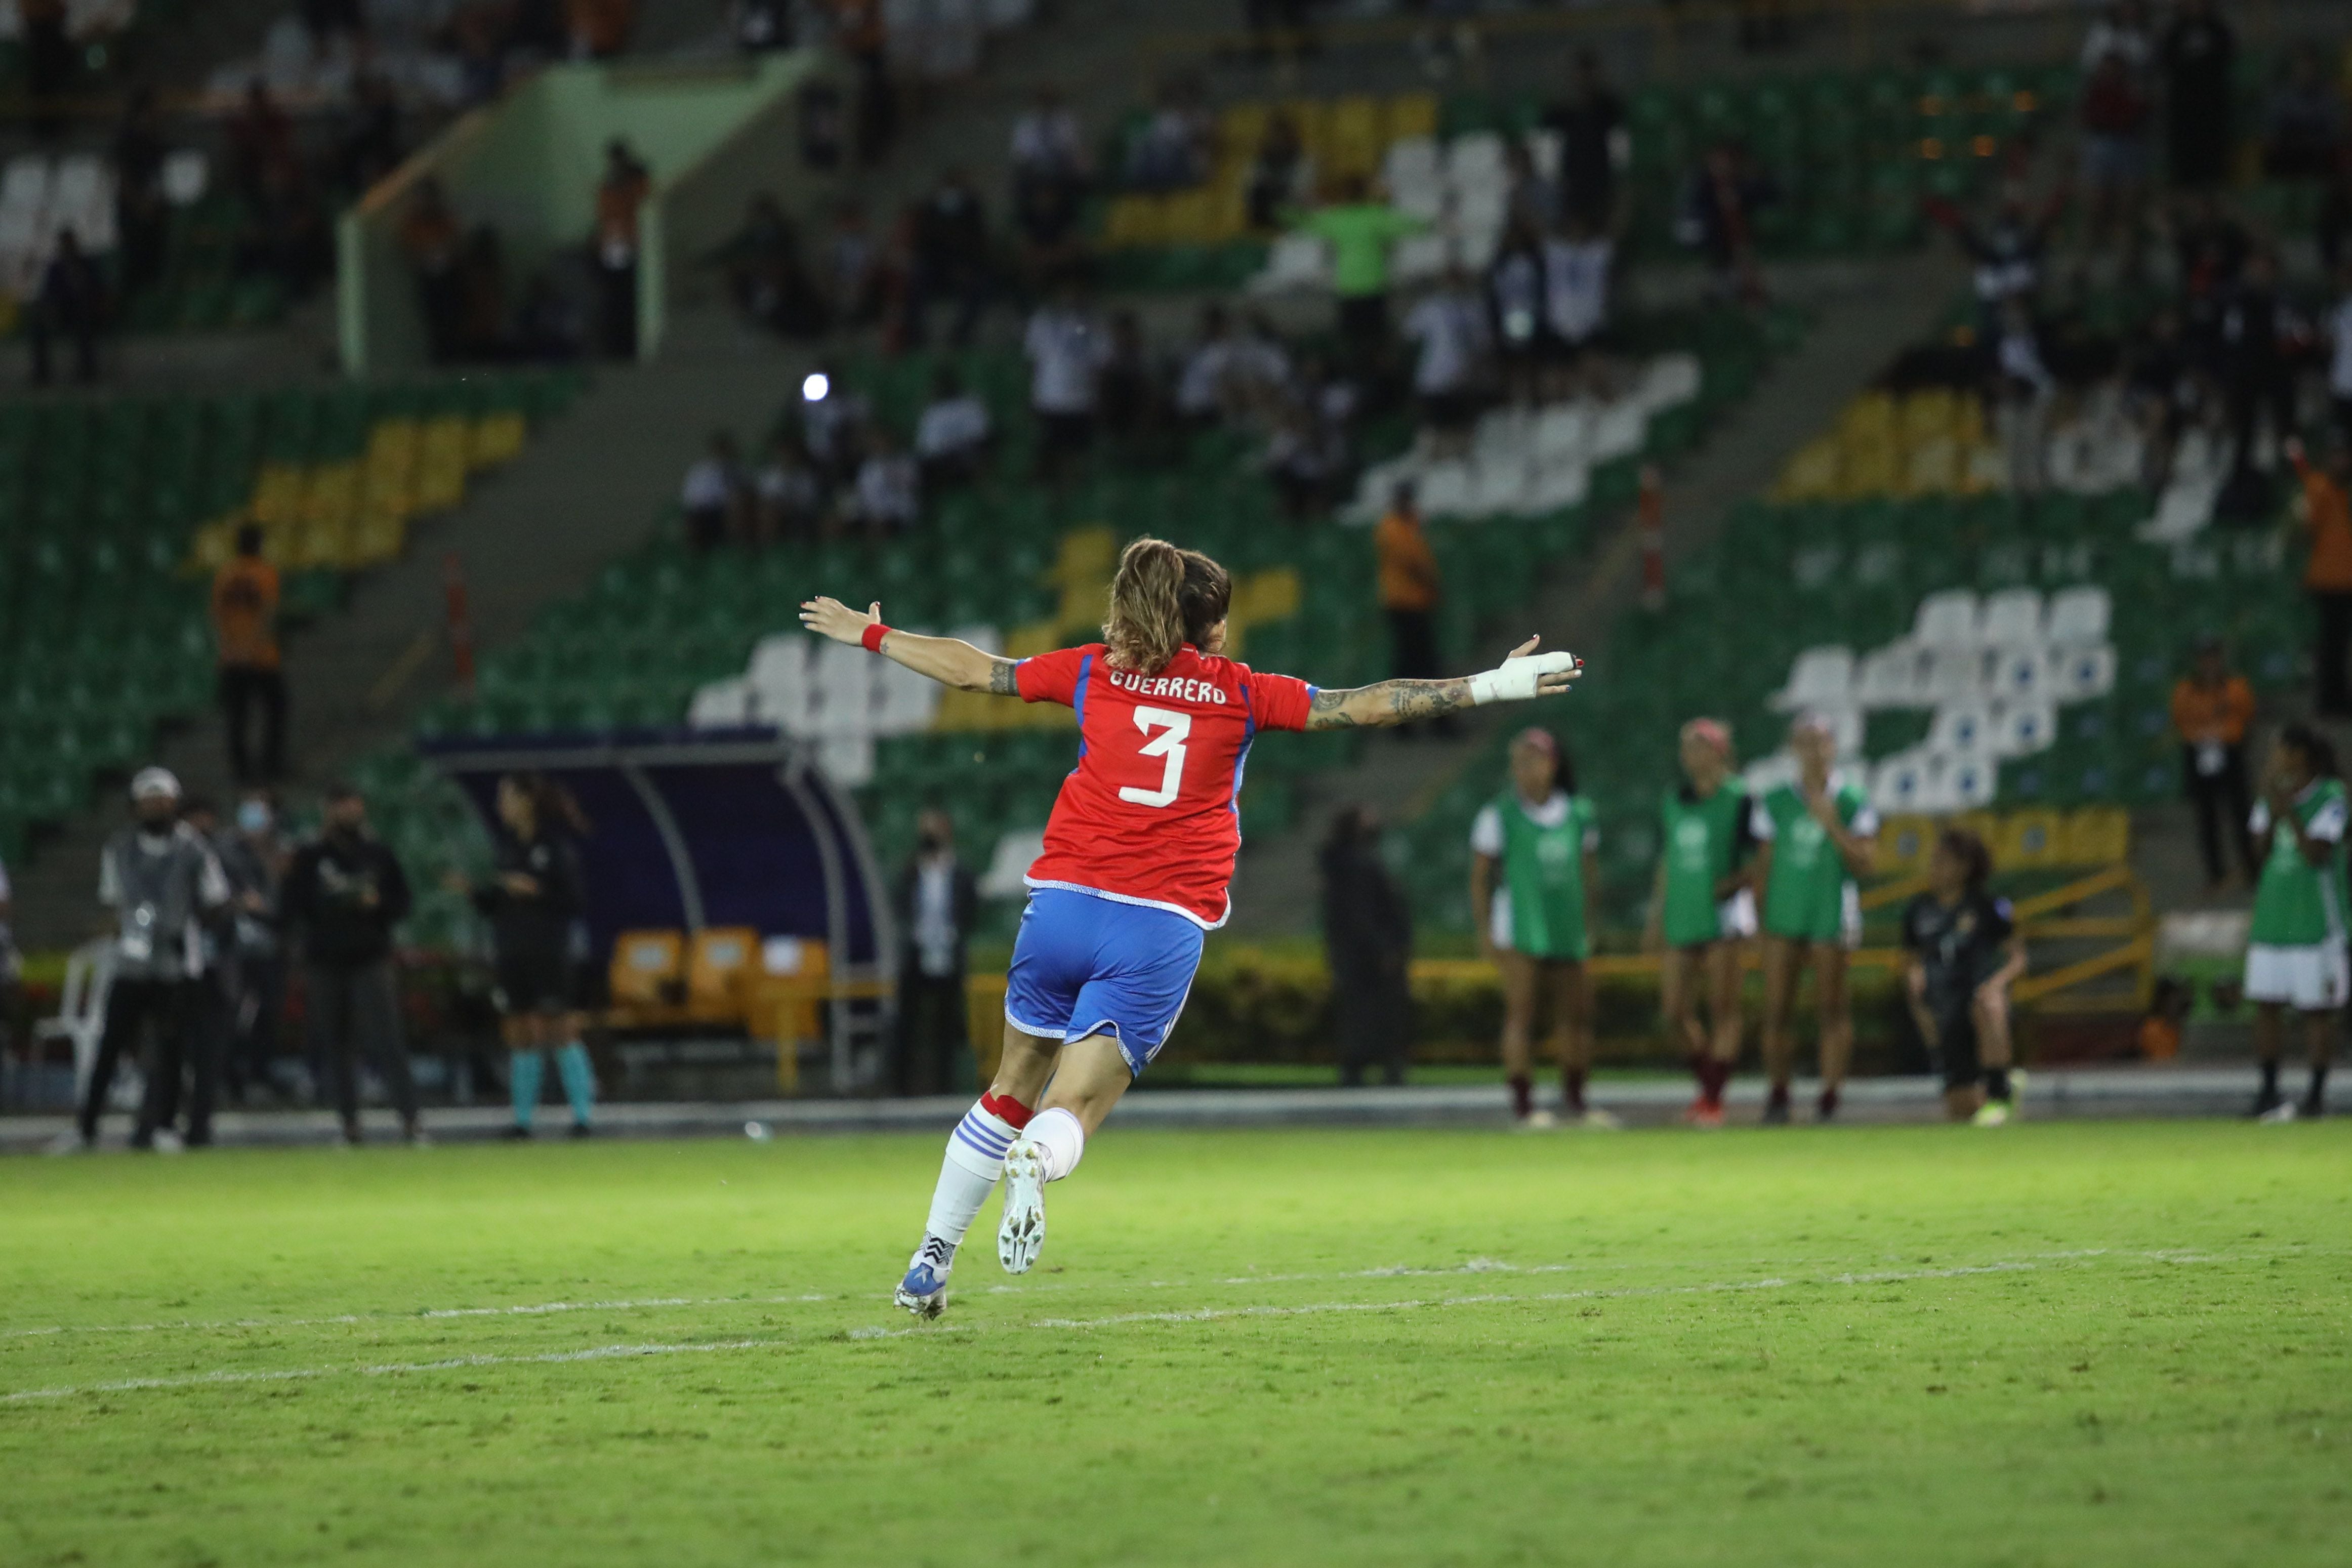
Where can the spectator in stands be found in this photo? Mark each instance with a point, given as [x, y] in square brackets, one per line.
[599, 29]
[1311, 452]
[1047, 147]
[2337, 345]
[1068, 349]
[2115, 151]
[1449, 323]
[889, 495]
[286, 235]
[434, 245]
[2327, 514]
[2007, 254]
[549, 327]
[1281, 176]
[860, 32]
[2163, 392]
[2211, 709]
[1171, 152]
[345, 895]
[1368, 944]
[938, 903]
[951, 259]
[1515, 310]
[261, 143]
[712, 495]
[2120, 28]
[1593, 145]
[2303, 132]
[1528, 199]
[245, 634]
[619, 198]
[159, 882]
[371, 145]
[1576, 269]
[1128, 394]
[1409, 589]
[1718, 219]
[2197, 54]
[71, 304]
[833, 424]
[1359, 232]
[1200, 380]
[2257, 330]
[253, 857]
[952, 434]
[852, 268]
[786, 497]
[2023, 390]
[142, 216]
[765, 275]
[211, 996]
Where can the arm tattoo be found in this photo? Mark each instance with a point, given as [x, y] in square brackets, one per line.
[1388, 702]
[1002, 681]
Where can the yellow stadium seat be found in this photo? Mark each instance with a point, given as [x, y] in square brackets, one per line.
[278, 493]
[497, 438]
[1902, 845]
[2030, 840]
[1411, 114]
[722, 963]
[332, 495]
[1356, 143]
[646, 969]
[2098, 835]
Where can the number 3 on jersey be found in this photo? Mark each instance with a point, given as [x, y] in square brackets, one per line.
[1167, 743]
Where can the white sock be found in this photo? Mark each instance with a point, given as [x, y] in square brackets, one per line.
[1060, 1142]
[975, 1158]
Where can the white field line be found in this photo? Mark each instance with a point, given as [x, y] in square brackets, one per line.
[1198, 1315]
[654, 1303]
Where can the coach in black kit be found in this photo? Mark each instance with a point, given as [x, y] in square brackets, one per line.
[343, 895]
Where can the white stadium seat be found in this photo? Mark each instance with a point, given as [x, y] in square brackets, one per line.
[2013, 616]
[2079, 617]
[2022, 729]
[1823, 679]
[1413, 160]
[1947, 619]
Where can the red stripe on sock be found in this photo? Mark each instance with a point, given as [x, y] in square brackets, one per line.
[1007, 1109]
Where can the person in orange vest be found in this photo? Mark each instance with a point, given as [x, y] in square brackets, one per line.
[2211, 709]
[2327, 572]
[1410, 591]
[245, 630]
[625, 187]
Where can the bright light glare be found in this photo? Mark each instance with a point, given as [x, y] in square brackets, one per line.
[814, 387]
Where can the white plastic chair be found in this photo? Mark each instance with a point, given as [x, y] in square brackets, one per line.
[2079, 617]
[1961, 728]
[2022, 729]
[1418, 259]
[2077, 675]
[1476, 159]
[80, 1019]
[1946, 619]
[186, 173]
[2012, 616]
[1411, 162]
[1016, 852]
[721, 705]
[25, 183]
[1821, 681]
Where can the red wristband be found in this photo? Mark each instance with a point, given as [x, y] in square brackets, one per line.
[872, 637]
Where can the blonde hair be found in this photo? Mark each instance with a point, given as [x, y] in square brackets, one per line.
[1161, 598]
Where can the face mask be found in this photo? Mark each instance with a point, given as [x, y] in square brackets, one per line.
[253, 817]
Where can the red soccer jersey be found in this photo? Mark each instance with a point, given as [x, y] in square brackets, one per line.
[1150, 814]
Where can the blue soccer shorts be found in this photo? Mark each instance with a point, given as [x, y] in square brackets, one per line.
[1087, 966]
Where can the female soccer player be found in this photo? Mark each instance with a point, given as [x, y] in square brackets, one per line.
[530, 904]
[1964, 951]
[1539, 834]
[1138, 850]
[1703, 908]
[1818, 834]
[2295, 955]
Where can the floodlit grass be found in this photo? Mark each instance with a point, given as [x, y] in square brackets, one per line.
[2063, 1344]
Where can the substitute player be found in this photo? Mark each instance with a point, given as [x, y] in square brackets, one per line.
[1533, 872]
[1703, 908]
[1818, 834]
[1139, 851]
[1963, 951]
[2296, 952]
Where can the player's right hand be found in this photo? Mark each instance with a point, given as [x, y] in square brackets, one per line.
[831, 618]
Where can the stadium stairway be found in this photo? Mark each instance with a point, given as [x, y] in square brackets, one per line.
[1861, 312]
[585, 491]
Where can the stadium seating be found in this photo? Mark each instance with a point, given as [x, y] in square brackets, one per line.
[112, 512]
[667, 636]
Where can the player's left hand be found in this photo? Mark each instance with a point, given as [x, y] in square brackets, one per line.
[1550, 683]
[831, 618]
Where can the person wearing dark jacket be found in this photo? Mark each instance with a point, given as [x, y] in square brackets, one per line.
[1368, 935]
[2197, 56]
[532, 902]
[936, 899]
[344, 895]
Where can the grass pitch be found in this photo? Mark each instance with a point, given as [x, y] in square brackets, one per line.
[2066, 1344]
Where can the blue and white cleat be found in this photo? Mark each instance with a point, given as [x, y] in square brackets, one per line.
[1023, 1234]
[924, 1291]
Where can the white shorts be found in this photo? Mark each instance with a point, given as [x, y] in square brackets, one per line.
[1734, 916]
[2309, 979]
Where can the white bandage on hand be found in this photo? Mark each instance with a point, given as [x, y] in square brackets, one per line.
[1515, 679]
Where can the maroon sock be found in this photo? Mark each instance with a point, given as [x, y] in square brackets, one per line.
[1700, 1066]
[1571, 1089]
[1830, 1100]
[1779, 1094]
[1523, 1096]
[1717, 1075]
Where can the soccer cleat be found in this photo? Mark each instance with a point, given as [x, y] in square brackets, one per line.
[2265, 1101]
[1535, 1122]
[1704, 1113]
[2279, 1115]
[924, 1291]
[1992, 1113]
[1776, 1111]
[69, 1143]
[1021, 1236]
[1600, 1121]
[2017, 1094]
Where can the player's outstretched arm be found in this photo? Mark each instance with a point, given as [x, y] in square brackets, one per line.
[950, 661]
[1525, 674]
